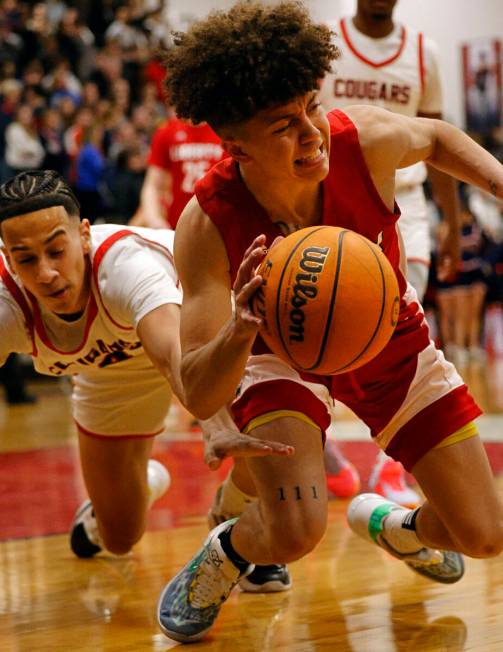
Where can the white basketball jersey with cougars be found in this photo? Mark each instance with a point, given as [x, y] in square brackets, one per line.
[117, 390]
[398, 72]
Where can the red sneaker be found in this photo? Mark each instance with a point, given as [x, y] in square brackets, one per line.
[346, 483]
[388, 479]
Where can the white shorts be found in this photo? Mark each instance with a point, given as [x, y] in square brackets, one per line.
[134, 404]
[414, 223]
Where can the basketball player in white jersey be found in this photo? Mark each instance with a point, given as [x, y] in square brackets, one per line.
[392, 66]
[101, 304]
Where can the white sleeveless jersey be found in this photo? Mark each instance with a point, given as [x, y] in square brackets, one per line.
[398, 72]
[116, 386]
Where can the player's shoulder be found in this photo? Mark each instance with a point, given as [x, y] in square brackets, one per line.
[197, 239]
[379, 130]
[111, 243]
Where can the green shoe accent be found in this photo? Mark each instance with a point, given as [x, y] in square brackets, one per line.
[376, 518]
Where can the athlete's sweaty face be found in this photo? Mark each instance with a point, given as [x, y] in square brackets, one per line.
[47, 250]
[288, 144]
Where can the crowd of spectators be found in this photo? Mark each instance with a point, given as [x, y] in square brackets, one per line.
[81, 93]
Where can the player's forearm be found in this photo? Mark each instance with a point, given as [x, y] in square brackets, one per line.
[461, 157]
[212, 373]
[444, 189]
[153, 212]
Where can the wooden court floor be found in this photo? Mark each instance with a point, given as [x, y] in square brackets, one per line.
[347, 596]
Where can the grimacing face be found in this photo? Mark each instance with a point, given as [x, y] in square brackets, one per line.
[47, 250]
[287, 144]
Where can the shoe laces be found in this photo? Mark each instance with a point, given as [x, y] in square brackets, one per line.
[211, 586]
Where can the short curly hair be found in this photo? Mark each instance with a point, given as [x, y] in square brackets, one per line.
[231, 65]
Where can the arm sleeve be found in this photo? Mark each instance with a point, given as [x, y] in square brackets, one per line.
[14, 337]
[431, 99]
[136, 279]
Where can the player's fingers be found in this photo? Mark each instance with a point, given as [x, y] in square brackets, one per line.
[212, 460]
[259, 241]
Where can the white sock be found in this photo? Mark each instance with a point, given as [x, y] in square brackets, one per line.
[398, 535]
[232, 500]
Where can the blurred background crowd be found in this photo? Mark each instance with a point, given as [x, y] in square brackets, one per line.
[80, 93]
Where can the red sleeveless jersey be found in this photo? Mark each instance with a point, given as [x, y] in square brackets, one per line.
[350, 200]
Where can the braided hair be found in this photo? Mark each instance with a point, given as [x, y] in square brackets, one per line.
[34, 190]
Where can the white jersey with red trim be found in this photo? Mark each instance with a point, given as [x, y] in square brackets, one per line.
[398, 72]
[132, 273]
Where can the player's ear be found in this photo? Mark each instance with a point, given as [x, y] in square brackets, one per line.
[85, 235]
[236, 151]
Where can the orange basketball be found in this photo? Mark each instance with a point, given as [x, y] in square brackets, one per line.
[329, 301]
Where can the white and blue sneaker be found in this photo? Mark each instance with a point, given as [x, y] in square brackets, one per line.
[366, 515]
[191, 601]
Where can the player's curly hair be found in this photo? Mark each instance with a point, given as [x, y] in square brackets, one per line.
[231, 65]
[33, 190]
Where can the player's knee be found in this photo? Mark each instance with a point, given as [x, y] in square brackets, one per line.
[294, 542]
[483, 541]
[120, 541]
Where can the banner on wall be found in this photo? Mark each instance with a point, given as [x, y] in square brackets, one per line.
[482, 64]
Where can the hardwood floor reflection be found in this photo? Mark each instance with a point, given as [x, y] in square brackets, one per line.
[347, 596]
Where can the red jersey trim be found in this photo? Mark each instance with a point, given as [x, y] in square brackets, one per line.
[100, 253]
[42, 333]
[19, 298]
[96, 435]
[369, 62]
[422, 69]
[352, 136]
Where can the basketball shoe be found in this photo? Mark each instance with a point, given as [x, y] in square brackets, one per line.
[388, 480]
[343, 480]
[367, 515]
[85, 539]
[191, 601]
[228, 503]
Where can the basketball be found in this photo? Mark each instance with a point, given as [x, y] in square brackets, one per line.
[329, 300]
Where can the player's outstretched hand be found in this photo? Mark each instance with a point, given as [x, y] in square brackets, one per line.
[247, 283]
[231, 443]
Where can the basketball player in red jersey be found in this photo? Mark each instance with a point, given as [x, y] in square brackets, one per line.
[386, 64]
[253, 75]
[180, 154]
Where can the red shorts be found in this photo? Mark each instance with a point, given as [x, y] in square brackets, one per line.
[409, 395]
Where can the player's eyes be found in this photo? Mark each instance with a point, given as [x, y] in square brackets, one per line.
[282, 129]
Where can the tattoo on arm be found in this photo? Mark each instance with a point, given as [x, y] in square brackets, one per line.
[493, 187]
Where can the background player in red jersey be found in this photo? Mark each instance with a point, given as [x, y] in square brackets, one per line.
[386, 64]
[253, 74]
[180, 154]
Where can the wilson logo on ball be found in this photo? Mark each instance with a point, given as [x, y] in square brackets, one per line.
[312, 262]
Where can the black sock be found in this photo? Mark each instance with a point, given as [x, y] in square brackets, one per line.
[225, 541]
[409, 522]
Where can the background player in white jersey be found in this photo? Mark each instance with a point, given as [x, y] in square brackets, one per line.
[100, 304]
[386, 64]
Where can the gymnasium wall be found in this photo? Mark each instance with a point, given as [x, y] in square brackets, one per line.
[448, 22]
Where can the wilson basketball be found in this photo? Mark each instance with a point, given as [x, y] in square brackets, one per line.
[329, 301]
